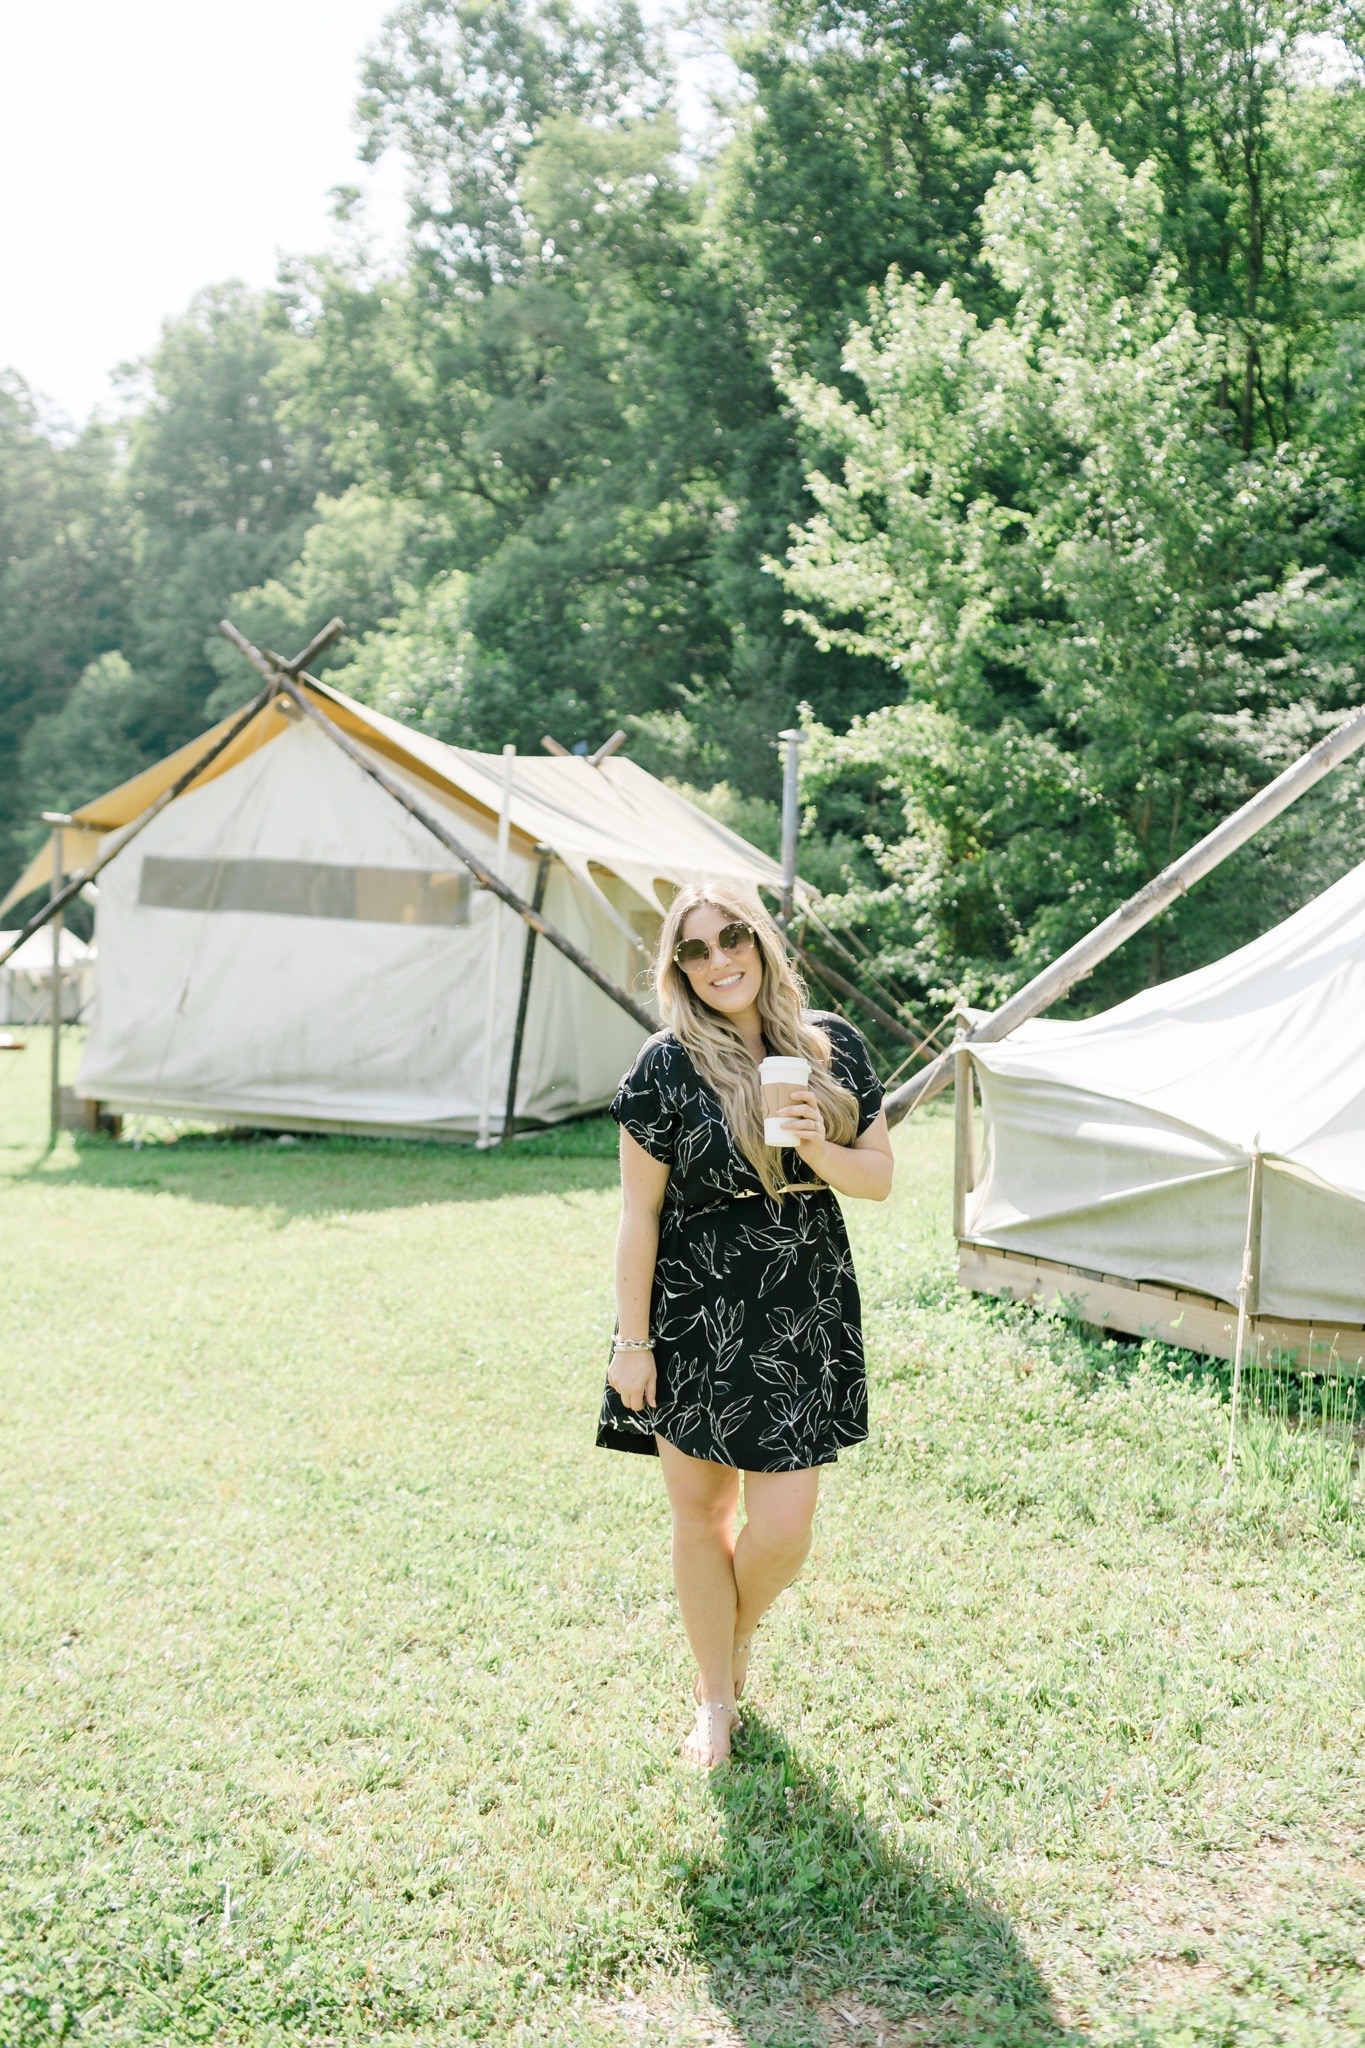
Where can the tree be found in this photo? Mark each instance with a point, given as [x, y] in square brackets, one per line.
[222, 488]
[563, 461]
[866, 140]
[465, 90]
[65, 569]
[362, 561]
[1250, 112]
[1109, 623]
[99, 738]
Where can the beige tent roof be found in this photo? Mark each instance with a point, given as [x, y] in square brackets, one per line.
[616, 817]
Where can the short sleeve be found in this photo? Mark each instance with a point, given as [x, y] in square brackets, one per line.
[645, 1104]
[852, 1064]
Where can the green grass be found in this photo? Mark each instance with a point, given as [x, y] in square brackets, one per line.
[343, 1686]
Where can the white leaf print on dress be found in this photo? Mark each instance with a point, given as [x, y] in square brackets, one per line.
[755, 1307]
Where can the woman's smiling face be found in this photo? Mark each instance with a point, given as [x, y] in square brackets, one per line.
[729, 982]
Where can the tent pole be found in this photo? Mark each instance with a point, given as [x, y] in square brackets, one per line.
[792, 743]
[899, 1007]
[482, 874]
[270, 665]
[127, 833]
[528, 958]
[1248, 1293]
[964, 1133]
[56, 819]
[509, 755]
[854, 994]
[1154, 897]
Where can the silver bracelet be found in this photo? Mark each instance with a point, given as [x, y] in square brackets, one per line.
[631, 1344]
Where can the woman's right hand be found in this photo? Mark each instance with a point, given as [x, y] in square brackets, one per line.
[633, 1375]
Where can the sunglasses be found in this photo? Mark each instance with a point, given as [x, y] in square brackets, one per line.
[731, 938]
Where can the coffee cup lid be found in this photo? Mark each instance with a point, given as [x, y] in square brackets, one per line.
[784, 1067]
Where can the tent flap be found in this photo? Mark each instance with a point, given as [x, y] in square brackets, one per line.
[1122, 1143]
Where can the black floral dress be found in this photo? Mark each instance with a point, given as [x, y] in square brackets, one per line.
[755, 1314]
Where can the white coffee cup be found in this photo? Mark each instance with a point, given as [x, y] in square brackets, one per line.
[777, 1076]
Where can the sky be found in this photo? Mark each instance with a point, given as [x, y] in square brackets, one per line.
[149, 147]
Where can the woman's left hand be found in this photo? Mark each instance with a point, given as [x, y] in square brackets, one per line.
[803, 1119]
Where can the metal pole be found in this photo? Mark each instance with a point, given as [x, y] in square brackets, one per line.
[57, 819]
[792, 742]
[1154, 897]
[490, 1021]
[528, 961]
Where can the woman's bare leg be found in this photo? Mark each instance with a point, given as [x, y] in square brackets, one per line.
[779, 1508]
[703, 1498]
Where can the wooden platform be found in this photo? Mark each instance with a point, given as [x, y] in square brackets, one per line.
[1198, 1322]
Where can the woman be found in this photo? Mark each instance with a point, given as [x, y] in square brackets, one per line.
[738, 1344]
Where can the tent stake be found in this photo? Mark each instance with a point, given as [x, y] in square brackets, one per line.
[1248, 1294]
[1154, 896]
[528, 958]
[482, 874]
[126, 833]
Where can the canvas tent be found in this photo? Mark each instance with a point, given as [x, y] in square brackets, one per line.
[26, 979]
[285, 945]
[1117, 1167]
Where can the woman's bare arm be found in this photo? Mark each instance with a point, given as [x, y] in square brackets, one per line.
[643, 1182]
[862, 1169]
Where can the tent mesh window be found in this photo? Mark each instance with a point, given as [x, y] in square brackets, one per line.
[306, 888]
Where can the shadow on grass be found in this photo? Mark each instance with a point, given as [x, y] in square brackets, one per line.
[819, 1935]
[317, 1175]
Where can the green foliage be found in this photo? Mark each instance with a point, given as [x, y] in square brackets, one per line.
[868, 141]
[753, 817]
[1095, 602]
[1250, 116]
[357, 563]
[100, 737]
[415, 667]
[65, 569]
[466, 90]
[515, 419]
[139, 559]
[223, 488]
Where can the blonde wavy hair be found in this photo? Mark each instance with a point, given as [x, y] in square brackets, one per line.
[717, 1050]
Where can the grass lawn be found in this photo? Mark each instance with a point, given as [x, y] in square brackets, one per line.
[343, 1688]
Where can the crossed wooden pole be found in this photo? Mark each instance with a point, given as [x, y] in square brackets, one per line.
[283, 679]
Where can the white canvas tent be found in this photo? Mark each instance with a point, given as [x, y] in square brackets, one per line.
[1117, 1162]
[285, 945]
[26, 979]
